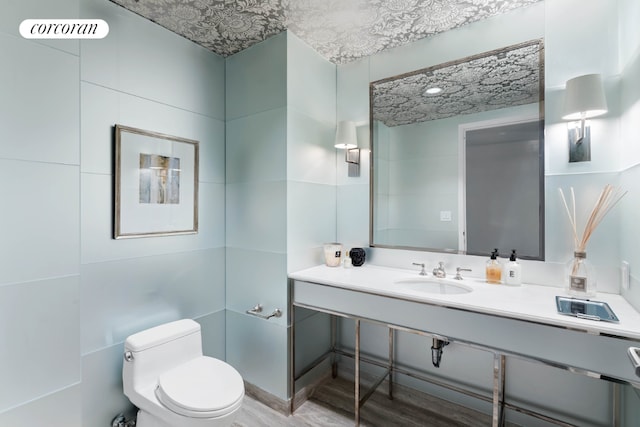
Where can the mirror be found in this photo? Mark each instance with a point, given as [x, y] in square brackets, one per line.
[450, 147]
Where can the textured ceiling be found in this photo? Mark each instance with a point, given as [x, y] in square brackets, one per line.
[498, 79]
[340, 30]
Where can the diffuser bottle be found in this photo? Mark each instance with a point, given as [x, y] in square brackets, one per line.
[513, 271]
[494, 269]
[580, 276]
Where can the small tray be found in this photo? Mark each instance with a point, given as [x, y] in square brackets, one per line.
[585, 309]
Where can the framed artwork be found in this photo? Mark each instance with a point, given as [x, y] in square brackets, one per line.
[156, 184]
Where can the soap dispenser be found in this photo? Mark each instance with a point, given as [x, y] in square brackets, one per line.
[513, 271]
[494, 269]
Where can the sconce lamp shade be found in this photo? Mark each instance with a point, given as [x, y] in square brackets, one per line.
[346, 135]
[584, 98]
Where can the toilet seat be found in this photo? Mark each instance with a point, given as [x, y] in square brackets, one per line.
[203, 387]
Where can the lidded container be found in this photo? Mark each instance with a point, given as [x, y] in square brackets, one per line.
[332, 254]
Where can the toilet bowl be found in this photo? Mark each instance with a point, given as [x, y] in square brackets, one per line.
[166, 376]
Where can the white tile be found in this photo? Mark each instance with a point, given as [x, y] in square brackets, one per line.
[311, 155]
[258, 350]
[256, 147]
[40, 112]
[15, 12]
[97, 225]
[255, 277]
[211, 216]
[303, 258]
[103, 108]
[40, 353]
[102, 394]
[39, 220]
[142, 58]
[100, 112]
[562, 60]
[59, 409]
[213, 334]
[123, 297]
[256, 78]
[311, 215]
[353, 215]
[311, 81]
[629, 39]
[256, 216]
[353, 91]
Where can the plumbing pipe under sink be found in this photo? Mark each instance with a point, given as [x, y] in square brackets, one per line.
[436, 350]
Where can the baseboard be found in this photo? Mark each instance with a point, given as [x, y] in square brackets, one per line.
[307, 391]
[284, 405]
[274, 402]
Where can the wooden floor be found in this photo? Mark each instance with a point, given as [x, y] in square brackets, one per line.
[331, 404]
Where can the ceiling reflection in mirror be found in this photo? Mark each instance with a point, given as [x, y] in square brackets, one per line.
[419, 122]
[498, 79]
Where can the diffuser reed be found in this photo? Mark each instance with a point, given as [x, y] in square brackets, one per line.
[581, 279]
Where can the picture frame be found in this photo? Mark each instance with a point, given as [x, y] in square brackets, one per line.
[155, 184]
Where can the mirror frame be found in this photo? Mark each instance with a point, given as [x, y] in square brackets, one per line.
[541, 118]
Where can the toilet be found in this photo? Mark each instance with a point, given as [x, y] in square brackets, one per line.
[166, 376]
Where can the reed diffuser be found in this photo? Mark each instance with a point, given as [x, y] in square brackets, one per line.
[580, 276]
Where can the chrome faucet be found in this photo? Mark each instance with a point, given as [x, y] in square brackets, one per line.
[458, 270]
[439, 270]
[423, 272]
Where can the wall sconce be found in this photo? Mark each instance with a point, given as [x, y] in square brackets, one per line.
[584, 98]
[347, 139]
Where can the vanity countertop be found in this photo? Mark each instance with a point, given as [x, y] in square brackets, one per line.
[533, 303]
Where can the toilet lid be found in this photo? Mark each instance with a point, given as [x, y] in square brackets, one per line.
[203, 387]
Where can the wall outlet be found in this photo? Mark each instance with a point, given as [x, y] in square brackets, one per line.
[445, 215]
[625, 275]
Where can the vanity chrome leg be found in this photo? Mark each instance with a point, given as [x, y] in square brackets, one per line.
[357, 374]
[498, 389]
[292, 361]
[615, 421]
[334, 334]
[391, 335]
[503, 370]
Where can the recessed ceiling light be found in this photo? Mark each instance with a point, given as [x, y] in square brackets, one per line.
[433, 90]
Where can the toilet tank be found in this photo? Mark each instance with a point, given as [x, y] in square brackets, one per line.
[154, 351]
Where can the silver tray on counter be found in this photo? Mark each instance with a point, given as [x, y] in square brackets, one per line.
[585, 309]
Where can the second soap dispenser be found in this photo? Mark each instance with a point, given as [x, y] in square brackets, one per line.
[513, 271]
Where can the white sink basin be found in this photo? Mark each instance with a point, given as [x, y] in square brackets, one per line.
[431, 285]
